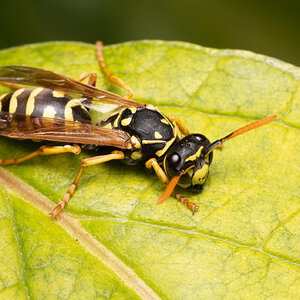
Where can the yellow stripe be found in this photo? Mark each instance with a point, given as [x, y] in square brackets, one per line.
[58, 94]
[13, 104]
[2, 96]
[49, 112]
[136, 155]
[108, 125]
[152, 141]
[151, 107]
[165, 121]
[126, 122]
[135, 142]
[200, 175]
[161, 152]
[157, 135]
[118, 117]
[68, 109]
[196, 155]
[184, 185]
[164, 164]
[133, 110]
[30, 101]
[111, 115]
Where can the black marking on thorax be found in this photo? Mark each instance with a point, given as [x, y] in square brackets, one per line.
[146, 124]
[148, 127]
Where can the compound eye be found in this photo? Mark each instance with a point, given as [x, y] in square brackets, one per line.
[174, 160]
[173, 163]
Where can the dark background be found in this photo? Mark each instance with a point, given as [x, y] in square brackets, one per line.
[263, 26]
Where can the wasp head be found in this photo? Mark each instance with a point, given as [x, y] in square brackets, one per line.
[187, 158]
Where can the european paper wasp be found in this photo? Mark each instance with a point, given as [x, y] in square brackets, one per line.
[133, 132]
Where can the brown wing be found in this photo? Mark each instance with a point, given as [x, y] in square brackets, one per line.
[49, 79]
[58, 130]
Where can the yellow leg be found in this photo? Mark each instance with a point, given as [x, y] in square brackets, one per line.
[44, 150]
[179, 124]
[92, 78]
[85, 163]
[152, 163]
[111, 77]
[92, 81]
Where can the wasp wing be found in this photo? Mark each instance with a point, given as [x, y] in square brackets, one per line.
[59, 130]
[49, 79]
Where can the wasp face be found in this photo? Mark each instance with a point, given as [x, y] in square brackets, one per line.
[187, 155]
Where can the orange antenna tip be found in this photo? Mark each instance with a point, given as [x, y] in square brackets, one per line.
[240, 131]
[169, 189]
[171, 186]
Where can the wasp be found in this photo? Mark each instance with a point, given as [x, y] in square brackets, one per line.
[132, 132]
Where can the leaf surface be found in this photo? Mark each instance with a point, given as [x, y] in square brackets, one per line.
[112, 241]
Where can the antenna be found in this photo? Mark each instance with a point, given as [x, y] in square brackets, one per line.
[238, 132]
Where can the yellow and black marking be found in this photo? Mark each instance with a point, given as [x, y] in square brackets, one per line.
[195, 156]
[189, 152]
[199, 176]
[135, 142]
[152, 134]
[42, 102]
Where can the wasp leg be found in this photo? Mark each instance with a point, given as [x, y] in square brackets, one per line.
[186, 202]
[12, 85]
[152, 163]
[92, 81]
[85, 163]
[44, 150]
[179, 124]
[111, 77]
[92, 78]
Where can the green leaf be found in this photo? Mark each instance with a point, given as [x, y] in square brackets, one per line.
[112, 241]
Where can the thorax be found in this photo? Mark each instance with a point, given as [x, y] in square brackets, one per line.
[151, 132]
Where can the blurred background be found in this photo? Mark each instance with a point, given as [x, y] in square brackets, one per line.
[269, 27]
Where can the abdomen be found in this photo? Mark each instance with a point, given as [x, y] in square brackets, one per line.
[42, 102]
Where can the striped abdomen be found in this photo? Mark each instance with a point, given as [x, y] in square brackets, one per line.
[42, 102]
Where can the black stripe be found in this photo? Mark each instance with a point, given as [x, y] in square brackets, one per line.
[45, 98]
[5, 102]
[80, 114]
[110, 119]
[22, 101]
